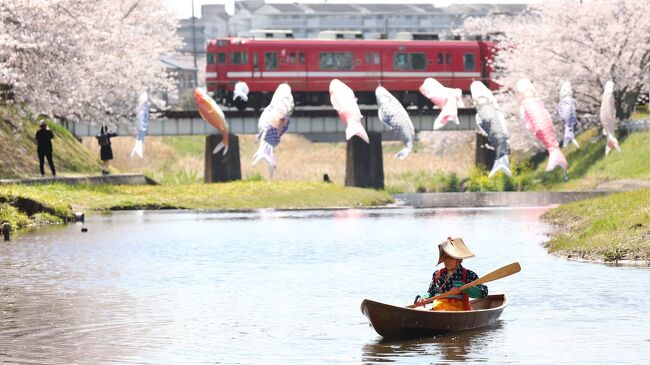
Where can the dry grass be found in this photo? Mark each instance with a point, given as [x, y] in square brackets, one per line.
[298, 158]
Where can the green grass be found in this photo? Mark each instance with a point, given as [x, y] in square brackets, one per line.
[610, 228]
[13, 216]
[18, 157]
[588, 167]
[240, 195]
[424, 181]
[640, 113]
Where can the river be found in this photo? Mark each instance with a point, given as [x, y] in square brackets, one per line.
[282, 287]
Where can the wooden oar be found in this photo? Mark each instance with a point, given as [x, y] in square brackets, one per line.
[494, 275]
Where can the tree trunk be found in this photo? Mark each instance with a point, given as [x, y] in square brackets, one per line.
[625, 103]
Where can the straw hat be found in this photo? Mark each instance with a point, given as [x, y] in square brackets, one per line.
[454, 247]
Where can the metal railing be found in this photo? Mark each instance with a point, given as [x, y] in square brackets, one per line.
[303, 121]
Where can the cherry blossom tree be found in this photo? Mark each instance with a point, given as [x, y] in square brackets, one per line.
[85, 60]
[586, 42]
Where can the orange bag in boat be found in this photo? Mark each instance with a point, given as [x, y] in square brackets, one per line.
[448, 304]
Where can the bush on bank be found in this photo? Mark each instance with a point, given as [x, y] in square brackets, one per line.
[611, 228]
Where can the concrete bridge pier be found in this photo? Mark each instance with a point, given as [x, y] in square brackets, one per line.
[484, 156]
[220, 168]
[364, 165]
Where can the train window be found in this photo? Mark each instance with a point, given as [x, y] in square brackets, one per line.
[270, 60]
[368, 58]
[239, 58]
[301, 57]
[336, 60]
[210, 58]
[440, 58]
[409, 61]
[292, 57]
[448, 58]
[418, 61]
[377, 59]
[468, 61]
[221, 58]
[256, 63]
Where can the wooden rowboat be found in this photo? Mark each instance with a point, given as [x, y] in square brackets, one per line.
[400, 322]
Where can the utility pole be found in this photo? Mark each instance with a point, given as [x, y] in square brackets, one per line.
[196, 81]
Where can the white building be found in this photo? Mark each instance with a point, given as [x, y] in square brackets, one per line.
[373, 20]
[307, 20]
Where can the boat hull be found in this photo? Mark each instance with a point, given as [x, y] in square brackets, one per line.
[394, 322]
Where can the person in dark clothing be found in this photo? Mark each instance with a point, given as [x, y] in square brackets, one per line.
[44, 138]
[105, 151]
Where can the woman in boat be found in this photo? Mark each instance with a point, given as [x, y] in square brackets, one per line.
[453, 275]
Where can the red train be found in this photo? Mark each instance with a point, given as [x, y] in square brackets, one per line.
[308, 65]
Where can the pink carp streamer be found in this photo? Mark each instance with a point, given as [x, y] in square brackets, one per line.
[447, 99]
[345, 103]
[539, 121]
[608, 117]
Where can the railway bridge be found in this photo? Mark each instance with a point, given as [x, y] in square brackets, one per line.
[317, 124]
[364, 165]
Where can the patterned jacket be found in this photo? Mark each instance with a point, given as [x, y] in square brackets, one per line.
[440, 284]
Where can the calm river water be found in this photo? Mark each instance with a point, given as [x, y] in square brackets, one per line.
[285, 288]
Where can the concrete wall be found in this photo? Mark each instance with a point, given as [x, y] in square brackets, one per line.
[494, 199]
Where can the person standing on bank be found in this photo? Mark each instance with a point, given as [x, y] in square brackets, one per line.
[105, 151]
[44, 138]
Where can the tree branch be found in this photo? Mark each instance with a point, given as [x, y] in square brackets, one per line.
[131, 9]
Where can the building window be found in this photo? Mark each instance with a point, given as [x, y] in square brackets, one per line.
[221, 58]
[239, 58]
[468, 61]
[270, 60]
[210, 58]
[336, 60]
[409, 61]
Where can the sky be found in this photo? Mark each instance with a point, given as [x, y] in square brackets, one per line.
[183, 8]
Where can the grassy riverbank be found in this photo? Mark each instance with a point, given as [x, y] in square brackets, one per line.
[611, 228]
[61, 200]
[589, 168]
[18, 157]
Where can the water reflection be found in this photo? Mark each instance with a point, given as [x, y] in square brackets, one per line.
[441, 349]
[81, 327]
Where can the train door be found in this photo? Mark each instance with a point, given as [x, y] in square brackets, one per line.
[444, 62]
[293, 69]
[257, 70]
[470, 70]
[372, 66]
[221, 70]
